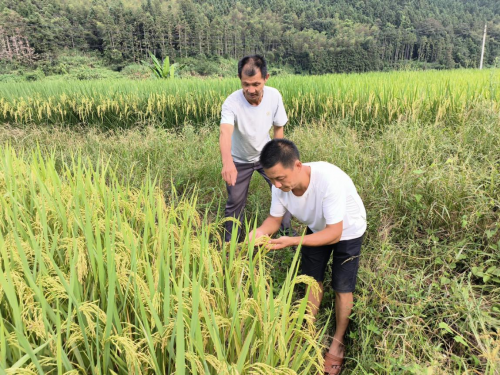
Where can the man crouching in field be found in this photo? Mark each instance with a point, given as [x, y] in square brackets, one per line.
[324, 198]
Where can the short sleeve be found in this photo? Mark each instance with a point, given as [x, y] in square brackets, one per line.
[280, 117]
[334, 203]
[277, 208]
[227, 113]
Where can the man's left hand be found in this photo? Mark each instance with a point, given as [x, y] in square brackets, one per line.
[282, 242]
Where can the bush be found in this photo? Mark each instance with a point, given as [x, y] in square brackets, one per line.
[11, 77]
[85, 73]
[280, 71]
[20, 76]
[35, 75]
[208, 67]
[9, 67]
[68, 61]
[136, 71]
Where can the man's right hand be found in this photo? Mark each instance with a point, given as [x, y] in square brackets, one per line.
[229, 173]
[261, 234]
[255, 235]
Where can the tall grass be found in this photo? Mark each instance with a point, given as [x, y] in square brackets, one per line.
[104, 268]
[428, 294]
[100, 277]
[371, 100]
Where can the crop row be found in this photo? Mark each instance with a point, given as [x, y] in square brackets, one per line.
[372, 99]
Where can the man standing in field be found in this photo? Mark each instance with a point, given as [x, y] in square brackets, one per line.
[247, 117]
[324, 198]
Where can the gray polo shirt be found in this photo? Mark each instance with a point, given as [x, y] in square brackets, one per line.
[252, 123]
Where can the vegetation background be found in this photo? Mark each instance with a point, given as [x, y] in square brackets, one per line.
[206, 37]
[427, 299]
[94, 154]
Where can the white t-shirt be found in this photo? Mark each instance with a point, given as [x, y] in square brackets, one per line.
[330, 198]
[252, 123]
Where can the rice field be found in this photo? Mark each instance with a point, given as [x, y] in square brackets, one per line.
[111, 258]
[372, 99]
[101, 278]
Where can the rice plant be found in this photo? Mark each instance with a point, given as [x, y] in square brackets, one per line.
[370, 100]
[104, 269]
[430, 261]
[99, 277]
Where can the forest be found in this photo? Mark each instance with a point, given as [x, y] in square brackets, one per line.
[308, 37]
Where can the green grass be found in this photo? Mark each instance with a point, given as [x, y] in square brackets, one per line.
[421, 147]
[428, 291]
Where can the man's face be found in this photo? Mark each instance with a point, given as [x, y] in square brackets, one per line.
[283, 178]
[253, 87]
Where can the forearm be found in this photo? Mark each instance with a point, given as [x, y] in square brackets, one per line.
[270, 226]
[327, 236]
[225, 147]
[319, 239]
[278, 132]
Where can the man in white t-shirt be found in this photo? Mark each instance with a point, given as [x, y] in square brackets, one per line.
[324, 198]
[247, 117]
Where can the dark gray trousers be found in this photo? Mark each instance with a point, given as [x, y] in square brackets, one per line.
[237, 198]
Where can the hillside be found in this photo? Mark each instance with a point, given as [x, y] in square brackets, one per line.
[309, 36]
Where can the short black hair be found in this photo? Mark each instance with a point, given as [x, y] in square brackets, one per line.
[252, 64]
[279, 151]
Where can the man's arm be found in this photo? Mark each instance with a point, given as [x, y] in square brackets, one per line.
[229, 171]
[267, 228]
[328, 236]
[278, 132]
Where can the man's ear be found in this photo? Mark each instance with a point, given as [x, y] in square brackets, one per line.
[298, 164]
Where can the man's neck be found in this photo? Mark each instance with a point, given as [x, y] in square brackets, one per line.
[305, 180]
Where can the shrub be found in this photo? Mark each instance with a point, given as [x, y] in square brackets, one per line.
[210, 67]
[12, 77]
[136, 71]
[86, 73]
[35, 75]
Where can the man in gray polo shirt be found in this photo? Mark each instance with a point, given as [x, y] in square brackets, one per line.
[247, 117]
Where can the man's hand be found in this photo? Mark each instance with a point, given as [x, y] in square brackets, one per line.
[256, 234]
[229, 173]
[261, 234]
[282, 242]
